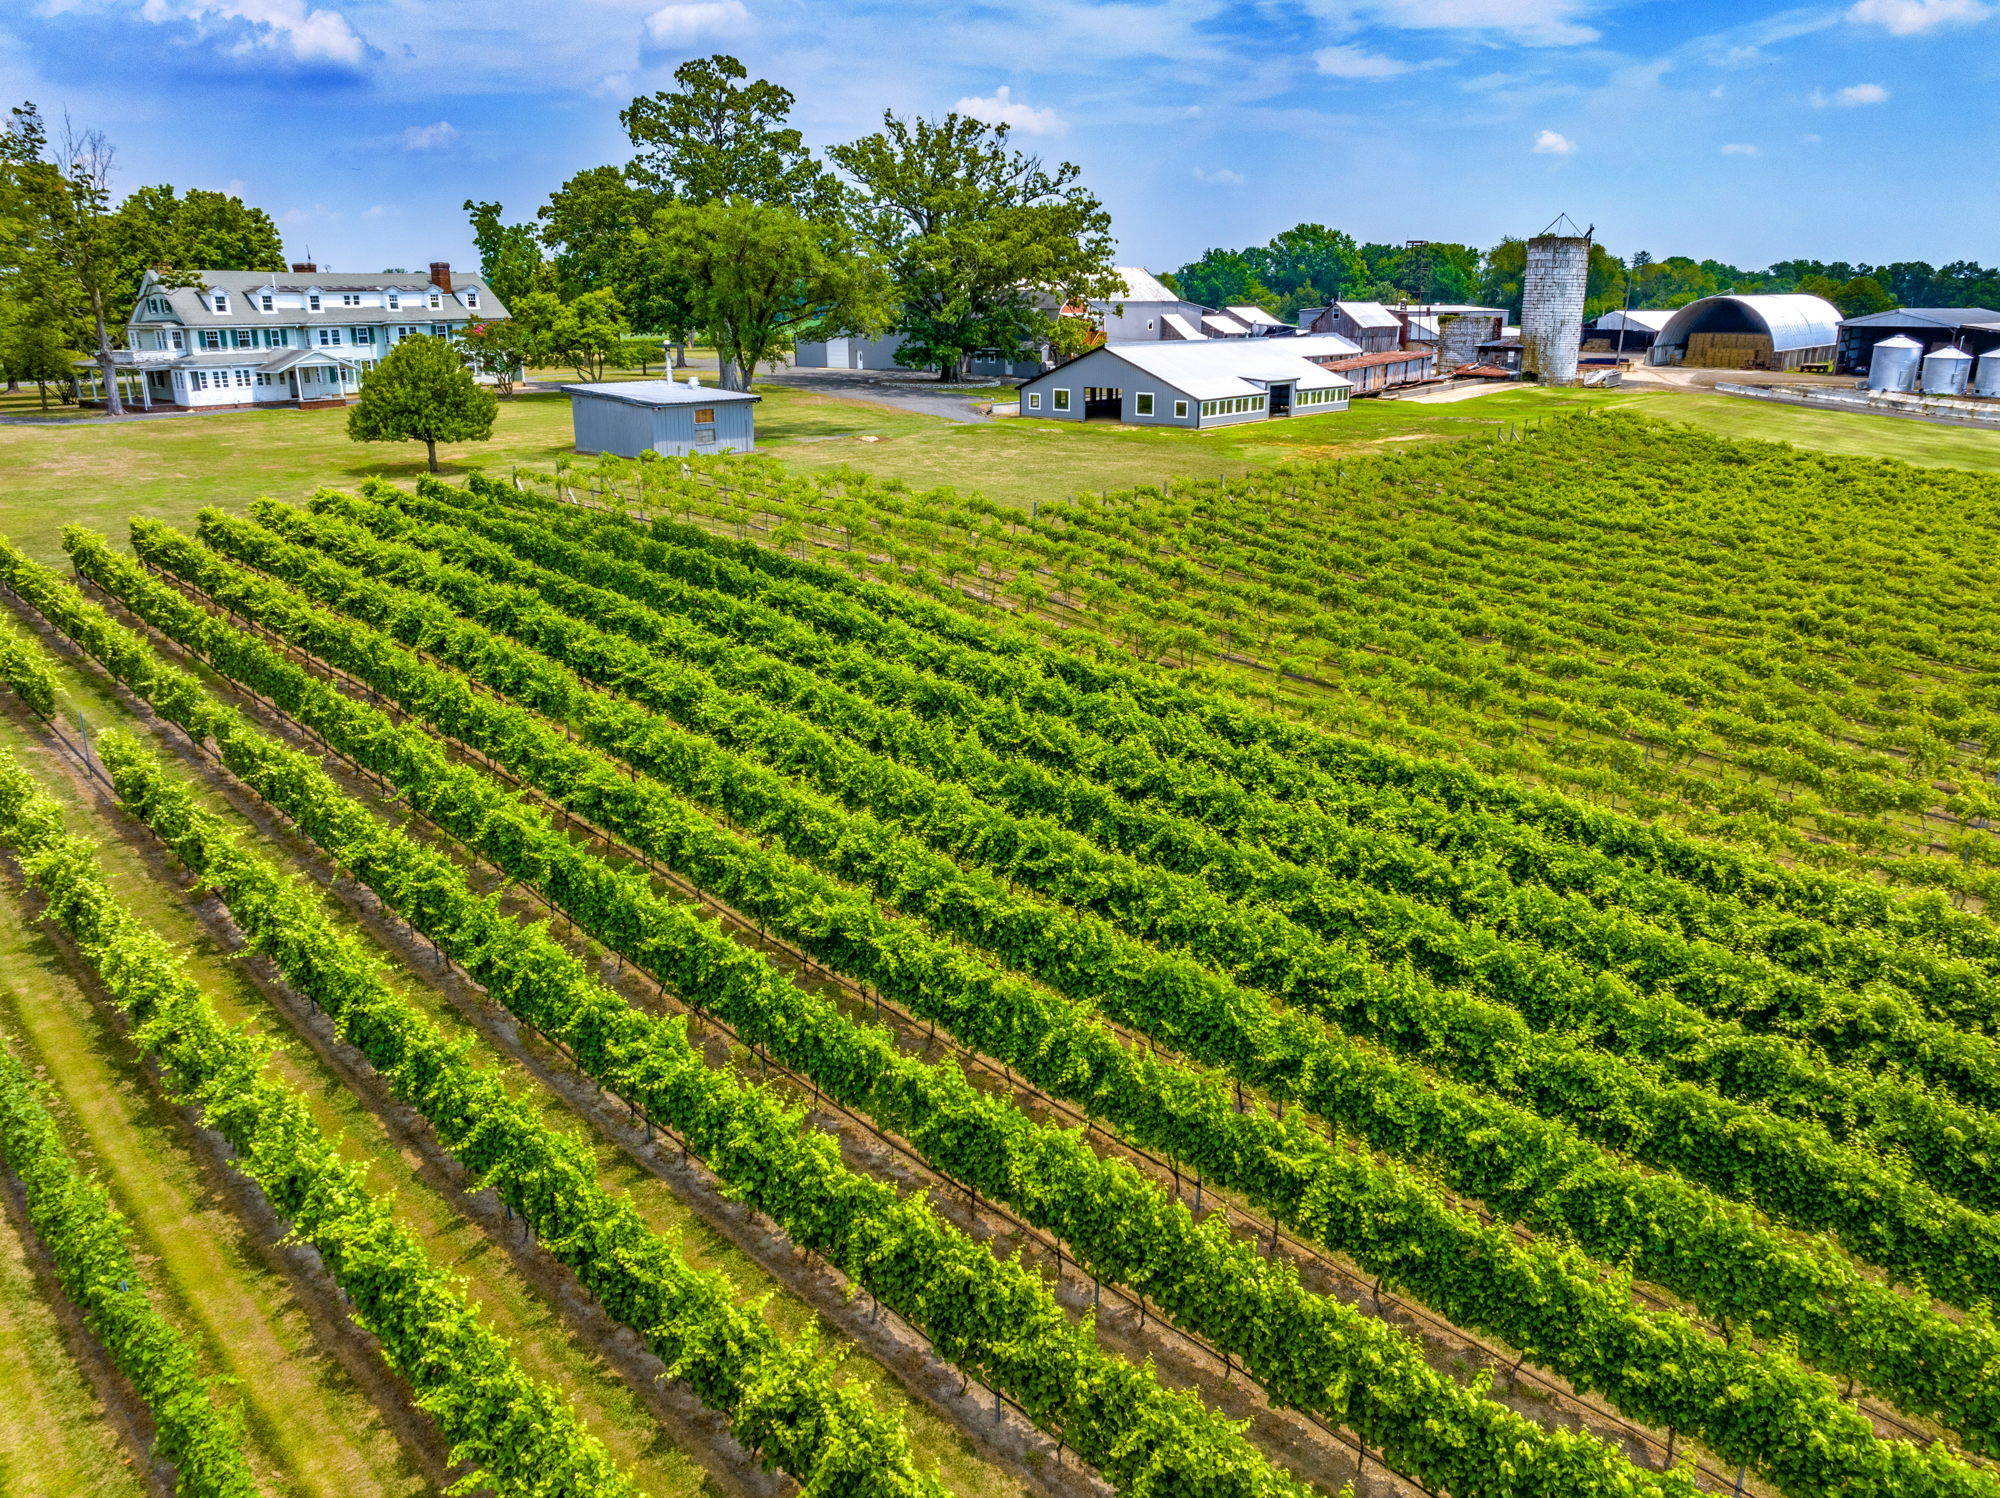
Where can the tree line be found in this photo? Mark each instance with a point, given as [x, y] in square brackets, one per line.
[1310, 265]
[71, 262]
[724, 224]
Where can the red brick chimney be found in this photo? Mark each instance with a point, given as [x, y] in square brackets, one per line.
[441, 275]
[303, 267]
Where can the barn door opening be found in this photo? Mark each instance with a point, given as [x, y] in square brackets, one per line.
[1104, 402]
[1281, 400]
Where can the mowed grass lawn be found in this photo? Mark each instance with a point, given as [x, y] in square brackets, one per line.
[99, 473]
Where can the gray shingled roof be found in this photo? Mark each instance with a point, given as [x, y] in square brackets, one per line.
[191, 309]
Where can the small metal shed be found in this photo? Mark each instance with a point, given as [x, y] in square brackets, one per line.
[626, 417]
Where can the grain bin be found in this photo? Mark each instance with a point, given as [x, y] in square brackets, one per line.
[1945, 372]
[1987, 380]
[1552, 290]
[1893, 365]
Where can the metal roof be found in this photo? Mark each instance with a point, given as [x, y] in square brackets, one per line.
[1925, 317]
[1222, 325]
[1215, 369]
[659, 393]
[1182, 326]
[1793, 321]
[1369, 315]
[1254, 317]
[1321, 345]
[1141, 285]
[1639, 320]
[1386, 356]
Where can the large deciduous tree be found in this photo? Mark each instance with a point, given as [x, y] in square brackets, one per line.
[598, 224]
[973, 234]
[716, 137]
[765, 277]
[75, 262]
[422, 392]
[510, 255]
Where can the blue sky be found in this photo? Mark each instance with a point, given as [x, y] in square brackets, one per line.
[1864, 130]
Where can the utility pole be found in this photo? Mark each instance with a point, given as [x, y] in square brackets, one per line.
[1626, 316]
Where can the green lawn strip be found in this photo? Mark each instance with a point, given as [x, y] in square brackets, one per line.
[519, 1436]
[89, 1245]
[55, 1434]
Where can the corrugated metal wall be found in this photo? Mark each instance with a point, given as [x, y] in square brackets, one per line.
[613, 426]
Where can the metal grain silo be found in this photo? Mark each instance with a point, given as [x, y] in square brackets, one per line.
[1893, 365]
[1987, 380]
[1552, 290]
[1945, 372]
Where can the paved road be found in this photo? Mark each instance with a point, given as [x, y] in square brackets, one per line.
[899, 394]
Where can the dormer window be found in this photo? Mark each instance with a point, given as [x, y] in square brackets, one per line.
[395, 302]
[350, 299]
[472, 300]
[221, 301]
[437, 299]
[156, 306]
[267, 301]
[312, 301]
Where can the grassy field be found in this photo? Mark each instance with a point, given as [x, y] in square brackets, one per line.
[205, 1269]
[100, 473]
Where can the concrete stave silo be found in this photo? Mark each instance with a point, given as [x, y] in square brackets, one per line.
[1552, 294]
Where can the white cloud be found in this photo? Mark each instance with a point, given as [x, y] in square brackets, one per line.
[1352, 62]
[1915, 17]
[1851, 98]
[684, 22]
[436, 137]
[309, 35]
[1004, 109]
[1220, 177]
[1734, 150]
[380, 210]
[1549, 143]
[1539, 23]
[1811, 140]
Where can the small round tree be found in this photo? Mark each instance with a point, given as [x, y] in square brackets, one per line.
[422, 393]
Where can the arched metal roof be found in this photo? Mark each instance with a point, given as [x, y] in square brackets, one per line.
[1793, 321]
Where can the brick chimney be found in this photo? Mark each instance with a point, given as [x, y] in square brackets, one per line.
[303, 267]
[441, 275]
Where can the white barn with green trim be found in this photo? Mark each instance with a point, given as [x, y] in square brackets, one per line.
[1212, 383]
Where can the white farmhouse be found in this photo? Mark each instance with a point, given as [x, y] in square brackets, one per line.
[261, 338]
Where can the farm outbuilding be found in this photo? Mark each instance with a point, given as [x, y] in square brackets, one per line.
[1211, 383]
[1627, 332]
[1750, 332]
[1972, 329]
[628, 417]
[1383, 371]
[1369, 325]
